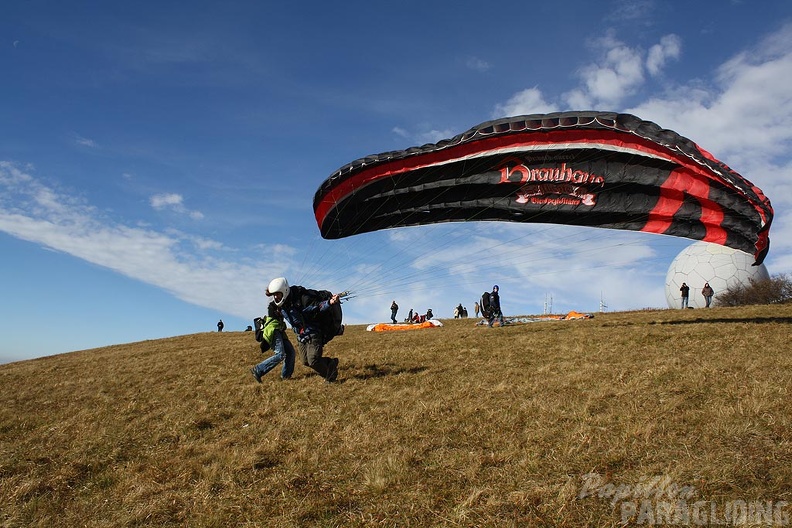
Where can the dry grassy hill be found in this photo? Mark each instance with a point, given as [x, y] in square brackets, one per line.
[574, 423]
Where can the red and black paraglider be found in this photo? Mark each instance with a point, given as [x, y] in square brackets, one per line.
[597, 169]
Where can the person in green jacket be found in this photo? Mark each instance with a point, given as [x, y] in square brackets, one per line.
[270, 332]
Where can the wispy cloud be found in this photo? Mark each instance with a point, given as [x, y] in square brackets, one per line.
[631, 10]
[173, 202]
[425, 136]
[193, 268]
[619, 73]
[669, 47]
[433, 136]
[477, 64]
[744, 113]
[161, 201]
[528, 101]
[606, 83]
[85, 142]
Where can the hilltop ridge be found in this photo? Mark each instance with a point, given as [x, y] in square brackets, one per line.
[459, 425]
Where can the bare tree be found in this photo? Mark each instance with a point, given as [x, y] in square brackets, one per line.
[776, 289]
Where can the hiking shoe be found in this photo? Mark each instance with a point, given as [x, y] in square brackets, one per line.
[332, 370]
[255, 375]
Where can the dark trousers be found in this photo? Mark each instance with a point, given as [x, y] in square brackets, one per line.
[311, 355]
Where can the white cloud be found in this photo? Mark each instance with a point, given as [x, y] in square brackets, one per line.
[195, 269]
[427, 136]
[744, 116]
[433, 136]
[631, 10]
[85, 142]
[670, 47]
[161, 201]
[175, 203]
[528, 101]
[476, 64]
[618, 75]
[605, 84]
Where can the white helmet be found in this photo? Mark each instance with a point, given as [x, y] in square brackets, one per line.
[279, 285]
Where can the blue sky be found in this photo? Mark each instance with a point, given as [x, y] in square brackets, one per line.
[158, 162]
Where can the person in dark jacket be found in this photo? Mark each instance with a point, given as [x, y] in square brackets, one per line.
[394, 311]
[495, 308]
[685, 291]
[306, 311]
[707, 292]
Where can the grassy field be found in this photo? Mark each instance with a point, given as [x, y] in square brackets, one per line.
[640, 418]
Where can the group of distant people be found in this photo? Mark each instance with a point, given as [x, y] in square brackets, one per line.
[489, 308]
[707, 292]
[412, 316]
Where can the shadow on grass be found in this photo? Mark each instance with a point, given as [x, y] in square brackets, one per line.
[750, 320]
[754, 320]
[380, 371]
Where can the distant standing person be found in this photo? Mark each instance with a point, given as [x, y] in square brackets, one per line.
[310, 314]
[394, 311]
[220, 325]
[685, 289]
[707, 292]
[495, 307]
[476, 308]
[410, 316]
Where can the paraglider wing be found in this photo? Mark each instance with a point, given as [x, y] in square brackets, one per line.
[597, 169]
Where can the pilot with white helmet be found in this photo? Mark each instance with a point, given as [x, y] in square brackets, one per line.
[315, 317]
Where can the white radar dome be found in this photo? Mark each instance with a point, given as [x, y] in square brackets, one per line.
[704, 262]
